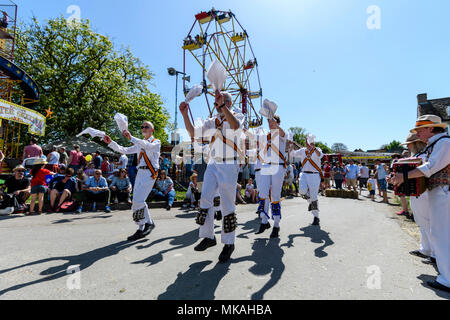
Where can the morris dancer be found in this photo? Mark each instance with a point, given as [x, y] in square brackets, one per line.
[430, 129]
[221, 173]
[148, 150]
[272, 176]
[310, 177]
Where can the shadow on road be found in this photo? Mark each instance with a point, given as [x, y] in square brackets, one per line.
[251, 225]
[267, 256]
[177, 242]
[80, 218]
[424, 278]
[196, 284]
[317, 235]
[83, 261]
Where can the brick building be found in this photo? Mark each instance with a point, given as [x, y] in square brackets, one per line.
[439, 107]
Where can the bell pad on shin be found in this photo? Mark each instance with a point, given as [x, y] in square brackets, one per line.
[261, 205]
[229, 223]
[313, 206]
[216, 201]
[139, 215]
[276, 209]
[201, 217]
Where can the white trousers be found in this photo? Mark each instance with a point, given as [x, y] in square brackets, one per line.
[309, 184]
[271, 181]
[439, 199]
[221, 178]
[142, 188]
[421, 210]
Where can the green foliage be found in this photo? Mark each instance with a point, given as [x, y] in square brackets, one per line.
[324, 147]
[300, 135]
[393, 146]
[85, 80]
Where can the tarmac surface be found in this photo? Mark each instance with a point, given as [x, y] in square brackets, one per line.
[360, 251]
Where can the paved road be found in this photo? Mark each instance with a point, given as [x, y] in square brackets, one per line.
[359, 252]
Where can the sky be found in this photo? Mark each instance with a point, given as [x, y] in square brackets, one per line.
[347, 71]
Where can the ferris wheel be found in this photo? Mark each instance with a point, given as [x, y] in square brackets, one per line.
[218, 35]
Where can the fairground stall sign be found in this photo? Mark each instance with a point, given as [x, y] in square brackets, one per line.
[14, 112]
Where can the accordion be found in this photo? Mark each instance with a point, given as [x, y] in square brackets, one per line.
[410, 187]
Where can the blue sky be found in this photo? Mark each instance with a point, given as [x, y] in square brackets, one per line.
[317, 59]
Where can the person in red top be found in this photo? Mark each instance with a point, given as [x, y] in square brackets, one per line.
[74, 158]
[38, 185]
[105, 166]
[327, 175]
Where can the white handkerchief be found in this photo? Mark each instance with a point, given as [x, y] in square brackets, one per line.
[310, 138]
[268, 109]
[290, 135]
[122, 121]
[92, 132]
[194, 93]
[217, 75]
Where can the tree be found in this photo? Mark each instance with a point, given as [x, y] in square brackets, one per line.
[84, 80]
[338, 147]
[393, 146]
[324, 147]
[299, 135]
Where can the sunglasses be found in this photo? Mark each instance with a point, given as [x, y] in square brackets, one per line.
[20, 171]
[145, 127]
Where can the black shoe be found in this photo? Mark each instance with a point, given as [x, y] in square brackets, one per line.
[429, 260]
[275, 232]
[419, 254]
[316, 221]
[225, 255]
[436, 285]
[168, 208]
[138, 235]
[205, 244]
[263, 227]
[148, 228]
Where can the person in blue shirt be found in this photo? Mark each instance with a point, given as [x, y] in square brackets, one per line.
[121, 187]
[351, 175]
[98, 160]
[96, 190]
[62, 187]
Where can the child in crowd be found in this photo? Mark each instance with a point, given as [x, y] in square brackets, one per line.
[192, 191]
[39, 185]
[250, 191]
[372, 186]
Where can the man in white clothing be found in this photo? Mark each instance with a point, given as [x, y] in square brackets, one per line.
[148, 151]
[224, 130]
[310, 177]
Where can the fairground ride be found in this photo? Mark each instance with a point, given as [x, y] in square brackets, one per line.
[218, 35]
[18, 94]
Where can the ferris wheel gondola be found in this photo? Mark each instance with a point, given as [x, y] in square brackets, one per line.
[218, 35]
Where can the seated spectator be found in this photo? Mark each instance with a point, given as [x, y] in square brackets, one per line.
[121, 187]
[96, 190]
[62, 188]
[90, 170]
[165, 189]
[19, 187]
[114, 174]
[81, 179]
[192, 194]
[239, 194]
[251, 194]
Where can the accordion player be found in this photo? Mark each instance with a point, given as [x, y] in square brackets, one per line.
[410, 187]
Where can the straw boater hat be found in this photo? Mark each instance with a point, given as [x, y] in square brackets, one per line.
[19, 167]
[39, 161]
[428, 121]
[412, 137]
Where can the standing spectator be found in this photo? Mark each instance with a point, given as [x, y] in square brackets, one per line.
[121, 187]
[97, 160]
[53, 160]
[32, 150]
[289, 178]
[166, 191]
[18, 185]
[38, 185]
[363, 177]
[123, 162]
[245, 172]
[63, 156]
[381, 174]
[338, 174]
[327, 175]
[105, 167]
[351, 175]
[132, 168]
[75, 158]
[62, 188]
[296, 176]
[96, 190]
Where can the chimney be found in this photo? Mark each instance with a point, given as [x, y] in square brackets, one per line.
[421, 98]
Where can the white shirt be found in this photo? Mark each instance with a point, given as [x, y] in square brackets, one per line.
[364, 172]
[373, 184]
[290, 170]
[439, 157]
[53, 157]
[220, 150]
[268, 155]
[124, 161]
[151, 147]
[301, 153]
